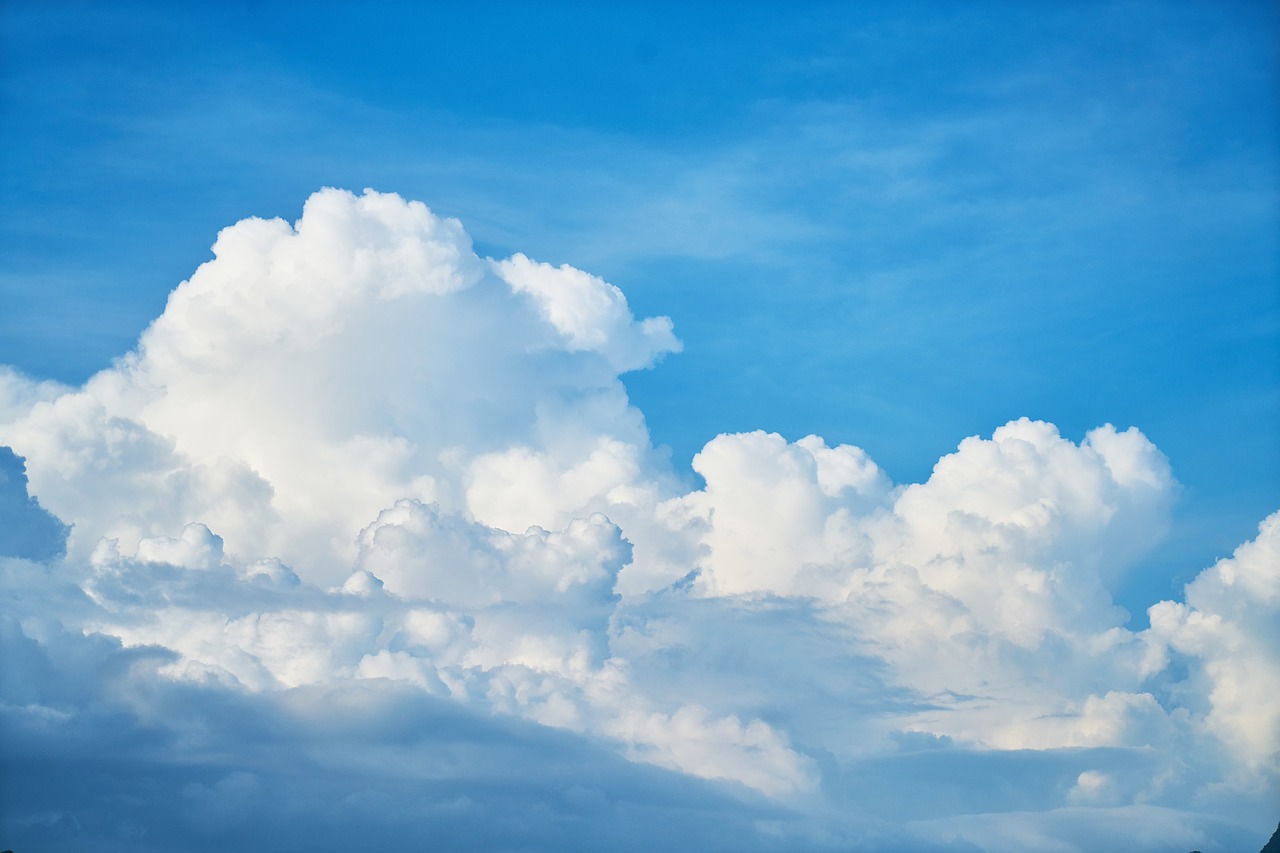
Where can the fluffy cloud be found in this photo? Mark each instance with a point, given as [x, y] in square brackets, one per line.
[311, 375]
[590, 313]
[356, 482]
[1228, 635]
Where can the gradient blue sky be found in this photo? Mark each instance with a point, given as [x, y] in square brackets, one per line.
[893, 225]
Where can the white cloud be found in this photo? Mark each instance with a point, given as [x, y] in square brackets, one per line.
[1228, 632]
[694, 742]
[591, 313]
[18, 393]
[983, 589]
[310, 376]
[353, 461]
[418, 553]
[781, 518]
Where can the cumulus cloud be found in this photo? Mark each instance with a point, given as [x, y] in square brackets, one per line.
[386, 506]
[591, 313]
[1227, 634]
[311, 375]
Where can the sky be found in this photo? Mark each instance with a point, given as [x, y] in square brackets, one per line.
[530, 427]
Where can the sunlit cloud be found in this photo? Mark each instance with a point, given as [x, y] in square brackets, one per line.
[367, 532]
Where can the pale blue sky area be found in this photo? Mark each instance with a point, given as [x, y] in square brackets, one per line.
[894, 225]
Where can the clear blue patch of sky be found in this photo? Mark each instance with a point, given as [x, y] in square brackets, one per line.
[894, 226]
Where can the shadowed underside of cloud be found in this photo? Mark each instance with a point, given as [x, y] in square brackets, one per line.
[367, 546]
[152, 764]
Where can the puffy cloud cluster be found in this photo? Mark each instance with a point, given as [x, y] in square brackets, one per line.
[309, 376]
[997, 561]
[1228, 635]
[355, 472]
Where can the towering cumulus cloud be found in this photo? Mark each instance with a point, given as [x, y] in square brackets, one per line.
[364, 542]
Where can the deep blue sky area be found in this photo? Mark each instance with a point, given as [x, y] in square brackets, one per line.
[894, 225]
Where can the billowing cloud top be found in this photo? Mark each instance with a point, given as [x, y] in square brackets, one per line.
[310, 376]
[387, 505]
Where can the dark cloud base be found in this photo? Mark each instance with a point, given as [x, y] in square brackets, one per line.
[190, 768]
[104, 755]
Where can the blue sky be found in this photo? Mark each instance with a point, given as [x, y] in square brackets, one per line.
[890, 225]
[893, 226]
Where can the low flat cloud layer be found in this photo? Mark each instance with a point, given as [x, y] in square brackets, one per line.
[364, 544]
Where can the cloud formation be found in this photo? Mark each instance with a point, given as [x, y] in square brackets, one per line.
[364, 502]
